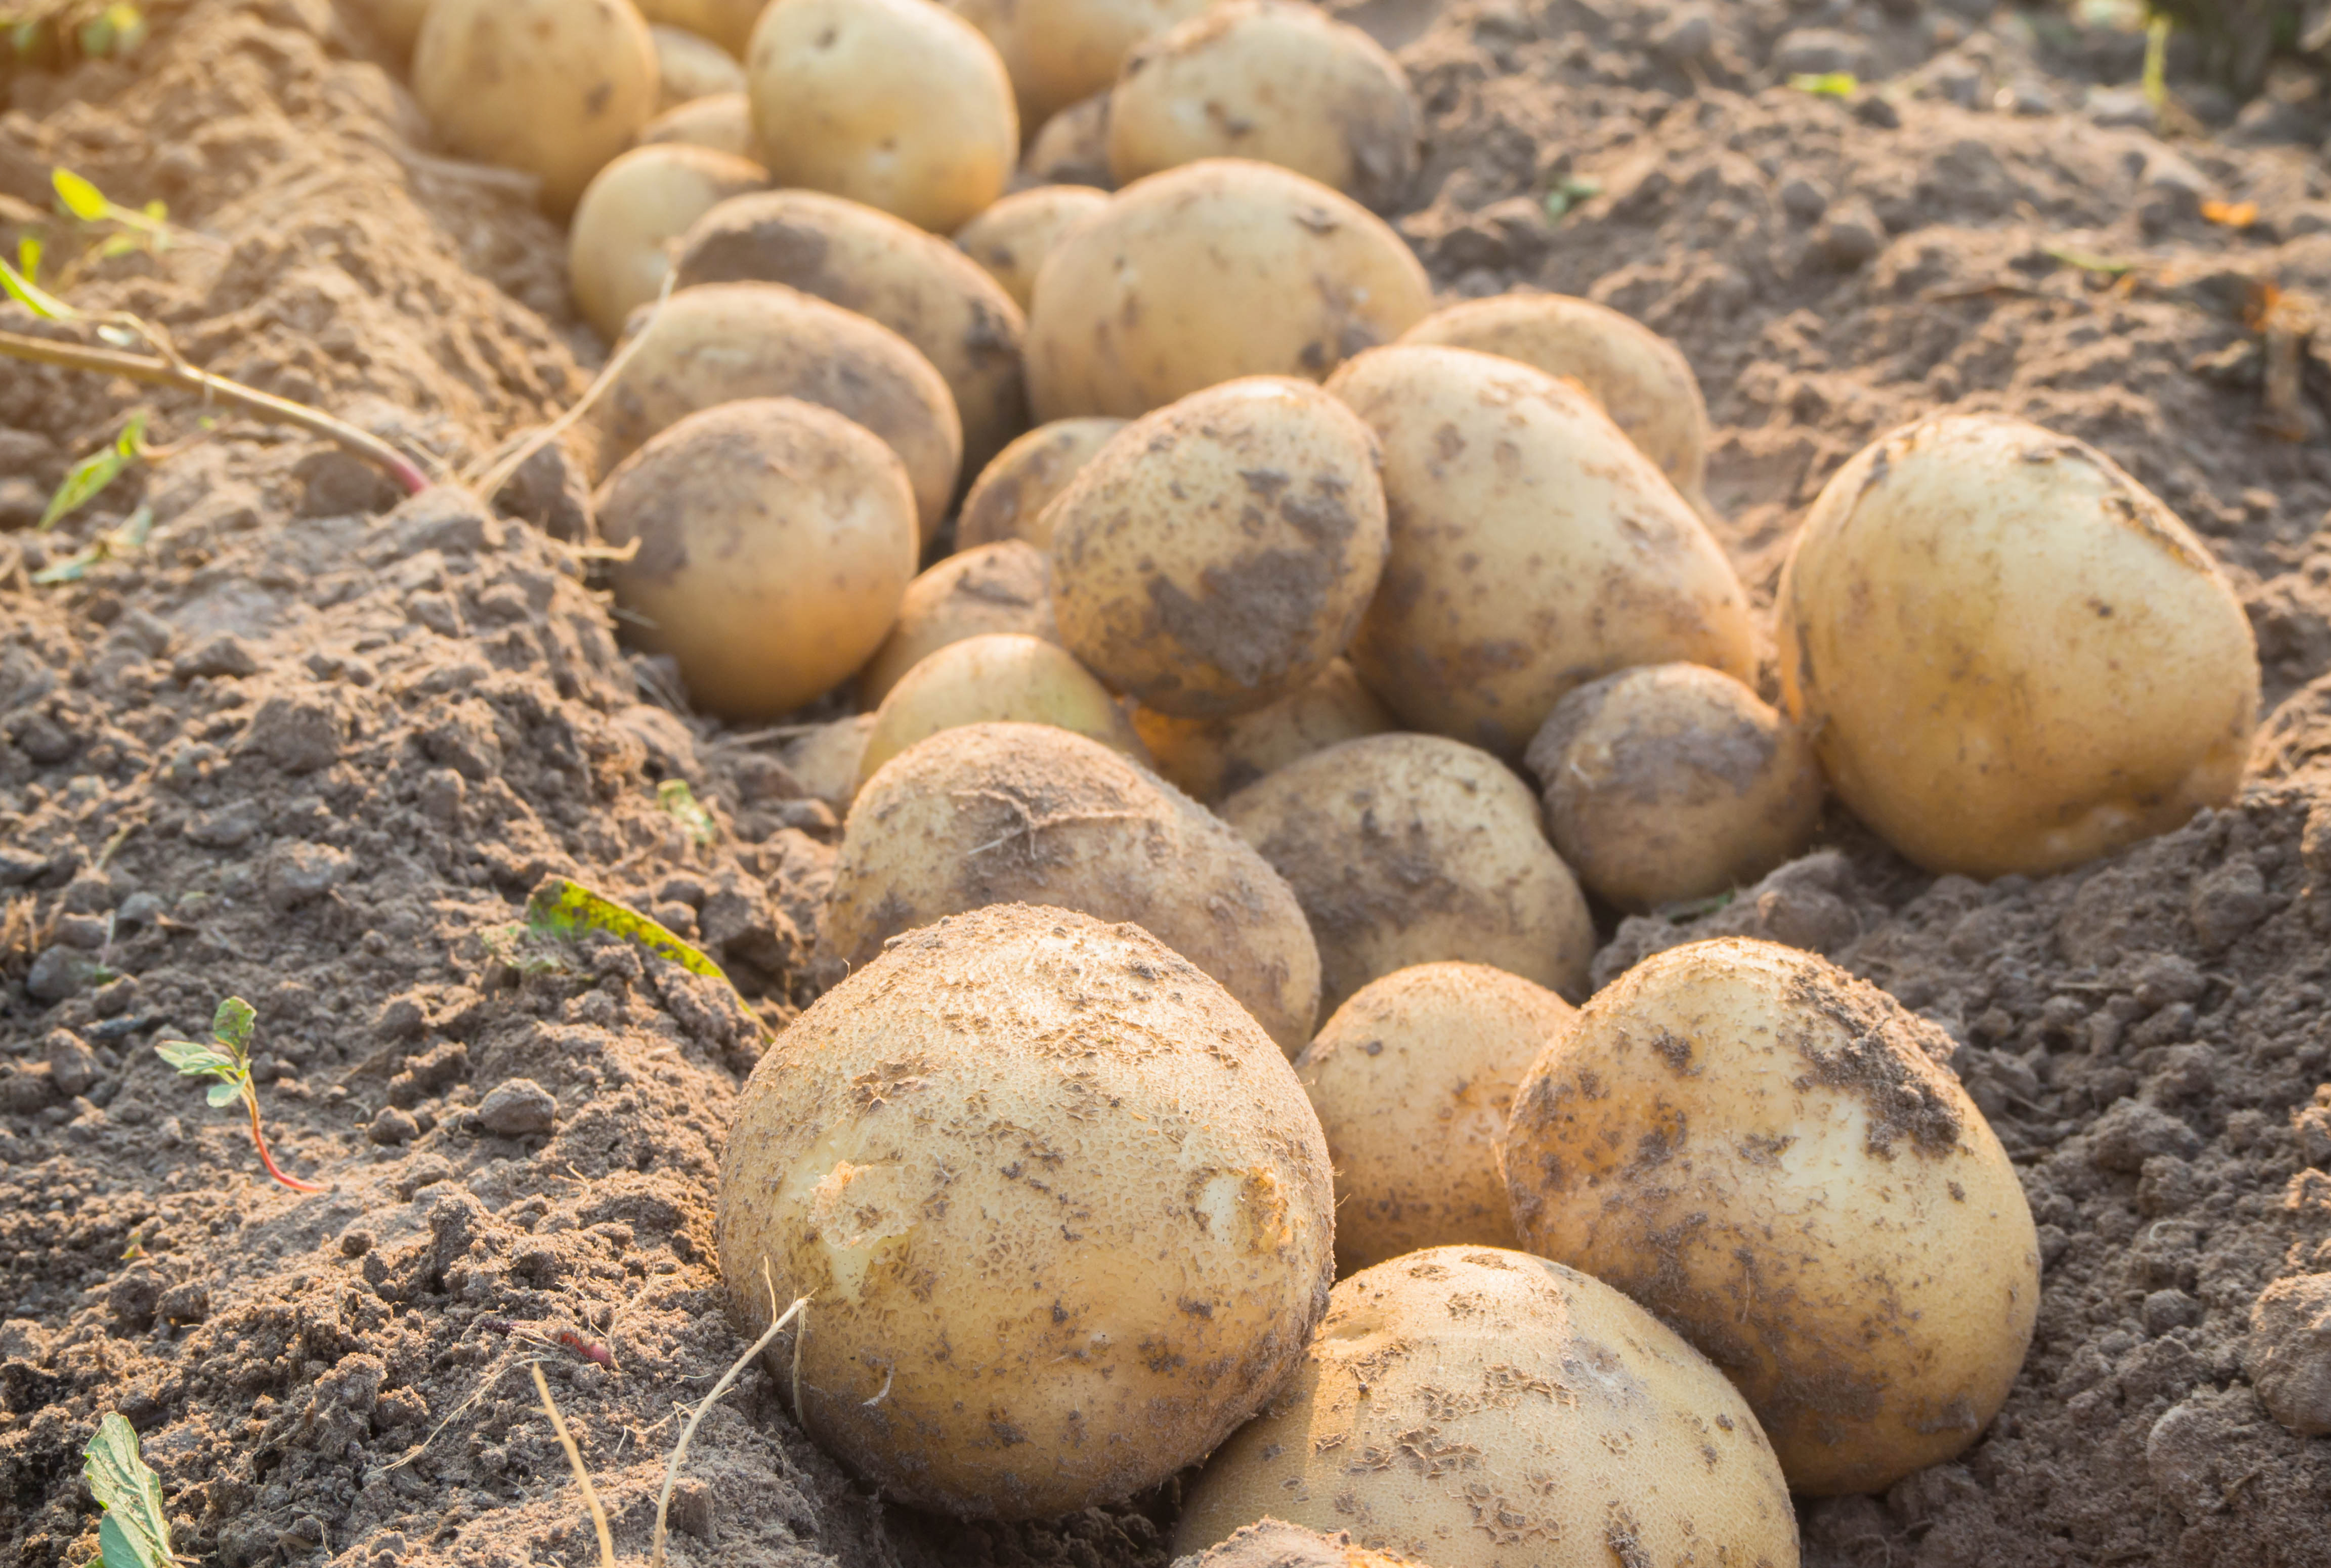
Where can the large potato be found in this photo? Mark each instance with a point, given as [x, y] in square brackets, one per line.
[991, 814]
[1207, 272]
[1216, 554]
[689, 68]
[775, 540]
[1073, 49]
[723, 122]
[2010, 656]
[1209, 758]
[900, 104]
[1010, 497]
[724, 341]
[556, 87]
[1533, 549]
[997, 678]
[727, 23]
[1011, 239]
[1275, 81]
[1061, 1210]
[1406, 849]
[991, 588]
[617, 252]
[1070, 148]
[1470, 1407]
[1769, 1154]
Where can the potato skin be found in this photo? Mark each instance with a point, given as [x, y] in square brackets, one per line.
[1010, 497]
[1073, 49]
[2010, 656]
[689, 67]
[723, 122]
[727, 23]
[1207, 272]
[1471, 1407]
[972, 593]
[997, 678]
[1210, 759]
[1533, 549]
[1070, 148]
[1769, 1154]
[1047, 1185]
[615, 255]
[1275, 1544]
[1010, 239]
[990, 813]
[1406, 849]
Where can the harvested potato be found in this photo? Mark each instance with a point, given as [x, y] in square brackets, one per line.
[723, 341]
[991, 588]
[2010, 656]
[617, 252]
[988, 813]
[1413, 1078]
[1095, 1157]
[1272, 80]
[1533, 549]
[824, 759]
[900, 104]
[1769, 1154]
[775, 539]
[1210, 759]
[723, 122]
[1011, 239]
[397, 22]
[1407, 849]
[689, 68]
[1215, 555]
[1071, 148]
[1671, 782]
[998, 21]
[727, 23]
[1207, 272]
[1010, 497]
[916, 284]
[997, 678]
[1478, 1408]
[1276, 1543]
[1072, 49]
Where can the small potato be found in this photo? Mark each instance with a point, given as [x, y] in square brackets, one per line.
[1061, 1212]
[617, 252]
[1533, 549]
[1275, 1544]
[1072, 49]
[1271, 79]
[1476, 1407]
[723, 122]
[727, 23]
[1207, 272]
[775, 540]
[690, 68]
[994, 588]
[988, 813]
[1071, 148]
[723, 341]
[1672, 782]
[397, 22]
[1216, 554]
[1413, 1078]
[900, 104]
[998, 21]
[824, 760]
[1406, 849]
[1210, 759]
[998, 678]
[1011, 239]
[1012, 497]
[1769, 1154]
[2010, 656]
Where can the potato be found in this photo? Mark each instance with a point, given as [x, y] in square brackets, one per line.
[988, 813]
[1206, 272]
[1271, 79]
[824, 759]
[1215, 555]
[1533, 549]
[1641, 380]
[1275, 1544]
[1769, 1154]
[1209, 758]
[1060, 1210]
[998, 23]
[556, 87]
[1011, 239]
[690, 68]
[900, 104]
[617, 251]
[1406, 849]
[1010, 497]
[2010, 656]
[775, 540]
[727, 23]
[1476, 1408]
[1072, 49]
[723, 122]
[1413, 1078]
[724, 341]
[1668, 782]
[1071, 148]
[997, 678]
[993, 588]
[397, 22]
[916, 284]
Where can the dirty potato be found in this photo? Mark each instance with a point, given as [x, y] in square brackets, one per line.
[1072, 49]
[1070, 148]
[997, 678]
[723, 122]
[1010, 498]
[618, 249]
[1011, 239]
[1211, 759]
[991, 588]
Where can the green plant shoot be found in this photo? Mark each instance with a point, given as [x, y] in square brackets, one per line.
[135, 1532]
[109, 545]
[92, 475]
[1568, 193]
[1827, 83]
[227, 1060]
[680, 803]
[562, 910]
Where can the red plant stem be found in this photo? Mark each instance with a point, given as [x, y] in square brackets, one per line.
[250, 1104]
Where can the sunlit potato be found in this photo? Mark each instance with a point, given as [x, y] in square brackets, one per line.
[1010, 239]
[618, 249]
[1072, 49]
[997, 678]
[727, 23]
[689, 68]
[1071, 147]
[1010, 498]
[1210, 759]
[723, 122]
[986, 589]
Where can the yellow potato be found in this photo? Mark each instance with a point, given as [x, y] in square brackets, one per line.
[997, 678]
[1209, 758]
[1072, 49]
[1533, 549]
[823, 760]
[727, 23]
[998, 21]
[1470, 1407]
[398, 22]
[617, 252]
[1207, 272]
[1275, 1544]
[991, 588]
[690, 68]
[1010, 498]
[1010, 239]
[2010, 656]
[723, 122]
[1070, 148]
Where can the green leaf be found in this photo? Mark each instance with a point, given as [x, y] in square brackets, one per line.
[193, 1059]
[131, 441]
[232, 1021]
[1827, 83]
[135, 1532]
[223, 1094]
[35, 298]
[569, 909]
[82, 199]
[2086, 261]
[28, 258]
[1569, 194]
[679, 801]
[84, 484]
[71, 569]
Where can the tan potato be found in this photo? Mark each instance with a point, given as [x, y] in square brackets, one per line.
[1769, 1154]
[618, 249]
[988, 813]
[916, 284]
[775, 540]
[727, 23]
[998, 21]
[1668, 782]
[1413, 1078]
[1010, 239]
[1275, 81]
[1010, 498]
[397, 22]
[1210, 759]
[1072, 49]
[722, 341]
[824, 759]
[1060, 1210]
[991, 588]
[1471, 1407]
[1215, 555]
[1275, 1544]
[556, 87]
[1408, 849]
[2010, 656]
[899, 104]
[689, 68]
[1533, 549]
[723, 122]
[997, 678]
[1070, 148]
[1207, 272]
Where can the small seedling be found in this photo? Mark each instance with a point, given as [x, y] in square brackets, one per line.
[227, 1059]
[679, 801]
[134, 1532]
[1569, 193]
[1827, 83]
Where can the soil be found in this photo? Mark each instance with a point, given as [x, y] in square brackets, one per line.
[313, 747]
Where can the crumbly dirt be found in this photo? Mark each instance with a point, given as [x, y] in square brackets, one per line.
[315, 751]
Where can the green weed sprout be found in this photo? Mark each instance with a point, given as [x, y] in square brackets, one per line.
[227, 1059]
[134, 1532]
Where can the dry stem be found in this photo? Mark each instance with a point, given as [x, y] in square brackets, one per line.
[581, 1475]
[500, 474]
[679, 1449]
